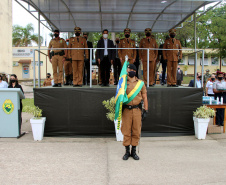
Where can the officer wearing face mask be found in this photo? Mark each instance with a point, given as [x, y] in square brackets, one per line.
[47, 81]
[58, 57]
[68, 68]
[78, 56]
[218, 87]
[148, 42]
[132, 110]
[172, 57]
[127, 43]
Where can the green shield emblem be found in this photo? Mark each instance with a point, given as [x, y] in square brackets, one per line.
[8, 106]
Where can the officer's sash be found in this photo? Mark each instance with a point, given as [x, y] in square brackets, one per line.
[135, 91]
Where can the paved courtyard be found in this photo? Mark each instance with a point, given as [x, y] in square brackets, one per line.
[163, 160]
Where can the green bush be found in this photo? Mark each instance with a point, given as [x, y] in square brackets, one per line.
[204, 112]
[110, 106]
[34, 110]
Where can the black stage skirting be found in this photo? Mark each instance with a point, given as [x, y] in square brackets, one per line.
[79, 111]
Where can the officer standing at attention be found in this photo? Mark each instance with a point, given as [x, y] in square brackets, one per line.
[132, 110]
[172, 57]
[127, 43]
[68, 68]
[58, 57]
[78, 56]
[47, 81]
[148, 42]
[207, 77]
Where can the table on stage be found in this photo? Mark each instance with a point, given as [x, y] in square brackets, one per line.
[219, 106]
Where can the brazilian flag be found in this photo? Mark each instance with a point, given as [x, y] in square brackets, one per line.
[121, 96]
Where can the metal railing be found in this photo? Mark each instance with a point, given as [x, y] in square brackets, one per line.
[90, 54]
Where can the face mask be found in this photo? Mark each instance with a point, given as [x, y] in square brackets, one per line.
[56, 35]
[48, 76]
[178, 68]
[127, 35]
[220, 78]
[77, 34]
[148, 34]
[67, 43]
[199, 77]
[132, 74]
[172, 35]
[212, 79]
[117, 41]
[105, 36]
[85, 38]
[12, 81]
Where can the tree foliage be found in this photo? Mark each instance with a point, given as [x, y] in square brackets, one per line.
[211, 32]
[24, 36]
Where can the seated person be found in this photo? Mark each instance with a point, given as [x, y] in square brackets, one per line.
[48, 80]
[198, 81]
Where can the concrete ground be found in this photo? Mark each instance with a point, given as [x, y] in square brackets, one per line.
[163, 160]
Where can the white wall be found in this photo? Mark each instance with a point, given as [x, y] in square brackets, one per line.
[6, 36]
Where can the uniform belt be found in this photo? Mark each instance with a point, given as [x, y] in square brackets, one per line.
[105, 55]
[57, 53]
[132, 106]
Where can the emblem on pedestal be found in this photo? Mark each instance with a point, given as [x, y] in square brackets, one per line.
[8, 106]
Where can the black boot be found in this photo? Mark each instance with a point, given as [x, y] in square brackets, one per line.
[127, 154]
[133, 153]
[67, 80]
[71, 79]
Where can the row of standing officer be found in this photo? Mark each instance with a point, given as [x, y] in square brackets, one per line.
[105, 56]
[76, 56]
[170, 58]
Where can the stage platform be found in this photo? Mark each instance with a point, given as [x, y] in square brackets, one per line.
[78, 111]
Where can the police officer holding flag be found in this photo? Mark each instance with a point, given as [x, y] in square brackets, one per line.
[131, 108]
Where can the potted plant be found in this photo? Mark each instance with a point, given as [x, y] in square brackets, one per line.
[201, 119]
[110, 106]
[185, 70]
[37, 122]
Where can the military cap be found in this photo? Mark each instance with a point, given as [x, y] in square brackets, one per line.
[207, 70]
[172, 31]
[127, 30]
[148, 30]
[85, 33]
[132, 66]
[77, 29]
[57, 31]
[49, 74]
[219, 73]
